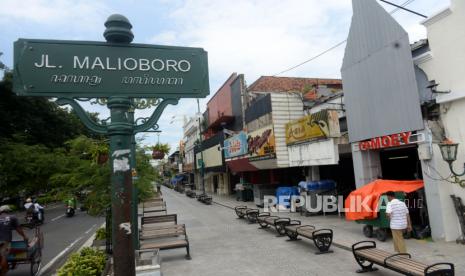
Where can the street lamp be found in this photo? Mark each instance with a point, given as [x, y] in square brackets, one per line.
[449, 154]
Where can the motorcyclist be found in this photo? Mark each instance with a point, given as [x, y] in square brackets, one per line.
[35, 207]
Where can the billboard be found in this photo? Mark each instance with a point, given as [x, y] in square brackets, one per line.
[261, 144]
[316, 126]
[236, 145]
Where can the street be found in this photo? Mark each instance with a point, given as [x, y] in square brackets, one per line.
[62, 236]
[221, 244]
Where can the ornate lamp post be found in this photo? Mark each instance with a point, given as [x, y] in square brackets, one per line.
[449, 154]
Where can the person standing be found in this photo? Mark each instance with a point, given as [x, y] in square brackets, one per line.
[8, 223]
[399, 218]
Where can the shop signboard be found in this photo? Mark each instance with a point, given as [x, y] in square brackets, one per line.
[261, 144]
[56, 68]
[390, 141]
[316, 126]
[236, 145]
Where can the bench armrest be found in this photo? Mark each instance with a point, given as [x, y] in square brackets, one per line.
[252, 211]
[323, 230]
[394, 255]
[363, 245]
[437, 266]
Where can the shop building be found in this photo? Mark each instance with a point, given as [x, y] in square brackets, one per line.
[222, 119]
[394, 122]
[190, 139]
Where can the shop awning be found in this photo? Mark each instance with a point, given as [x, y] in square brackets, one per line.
[369, 196]
[241, 165]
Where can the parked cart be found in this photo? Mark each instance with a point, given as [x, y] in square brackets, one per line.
[379, 227]
[30, 253]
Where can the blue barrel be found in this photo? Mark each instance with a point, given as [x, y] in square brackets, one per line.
[312, 185]
[284, 195]
[326, 185]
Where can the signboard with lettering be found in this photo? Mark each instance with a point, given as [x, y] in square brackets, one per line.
[319, 125]
[387, 141]
[236, 145]
[55, 68]
[261, 144]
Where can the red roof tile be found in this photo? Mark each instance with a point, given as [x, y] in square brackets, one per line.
[288, 84]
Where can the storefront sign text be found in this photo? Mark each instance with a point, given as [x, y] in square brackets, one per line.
[387, 141]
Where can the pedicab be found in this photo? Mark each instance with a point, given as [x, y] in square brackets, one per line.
[373, 212]
[27, 252]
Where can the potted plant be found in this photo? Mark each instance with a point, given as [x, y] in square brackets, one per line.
[159, 151]
[100, 152]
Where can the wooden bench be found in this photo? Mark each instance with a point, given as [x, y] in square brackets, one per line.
[207, 199]
[250, 213]
[190, 194]
[266, 220]
[154, 208]
[322, 238]
[153, 221]
[366, 255]
[165, 238]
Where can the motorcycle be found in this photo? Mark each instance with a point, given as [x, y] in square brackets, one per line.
[69, 211]
[34, 219]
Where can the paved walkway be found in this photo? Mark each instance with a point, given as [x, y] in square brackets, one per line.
[221, 244]
[347, 233]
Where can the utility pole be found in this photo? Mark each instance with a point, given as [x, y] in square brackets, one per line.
[202, 164]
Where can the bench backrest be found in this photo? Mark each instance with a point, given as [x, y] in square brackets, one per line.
[171, 231]
[160, 219]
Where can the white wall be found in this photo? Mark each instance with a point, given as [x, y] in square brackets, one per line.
[314, 154]
[285, 107]
[446, 65]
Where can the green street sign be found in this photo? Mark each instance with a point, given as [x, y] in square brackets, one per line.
[56, 68]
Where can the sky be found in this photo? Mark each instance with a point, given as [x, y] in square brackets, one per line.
[251, 37]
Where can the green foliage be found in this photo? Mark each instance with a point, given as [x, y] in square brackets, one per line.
[101, 234]
[87, 262]
[36, 120]
[146, 174]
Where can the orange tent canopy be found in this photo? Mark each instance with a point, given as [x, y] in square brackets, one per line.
[369, 196]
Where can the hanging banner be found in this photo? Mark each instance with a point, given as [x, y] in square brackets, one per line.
[236, 145]
[319, 125]
[261, 144]
[55, 68]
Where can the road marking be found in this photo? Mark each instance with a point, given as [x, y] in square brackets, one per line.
[57, 257]
[60, 216]
[90, 229]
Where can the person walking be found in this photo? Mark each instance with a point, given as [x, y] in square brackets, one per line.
[399, 221]
[8, 223]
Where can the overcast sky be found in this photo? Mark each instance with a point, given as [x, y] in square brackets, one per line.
[261, 37]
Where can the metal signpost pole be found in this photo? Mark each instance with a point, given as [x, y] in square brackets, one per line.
[135, 200]
[124, 76]
[120, 131]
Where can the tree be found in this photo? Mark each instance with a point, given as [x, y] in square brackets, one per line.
[37, 120]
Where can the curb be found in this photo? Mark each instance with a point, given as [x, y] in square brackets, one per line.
[89, 241]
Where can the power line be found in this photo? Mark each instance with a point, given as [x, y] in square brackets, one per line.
[402, 8]
[398, 7]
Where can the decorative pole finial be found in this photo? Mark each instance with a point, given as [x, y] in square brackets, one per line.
[118, 29]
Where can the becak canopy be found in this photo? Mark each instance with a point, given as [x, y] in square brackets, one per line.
[363, 202]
